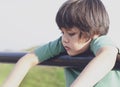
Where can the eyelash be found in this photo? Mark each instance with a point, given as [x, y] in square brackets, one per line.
[70, 34]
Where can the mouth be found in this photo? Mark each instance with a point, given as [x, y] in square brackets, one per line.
[67, 48]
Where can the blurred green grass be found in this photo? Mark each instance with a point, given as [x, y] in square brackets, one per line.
[38, 76]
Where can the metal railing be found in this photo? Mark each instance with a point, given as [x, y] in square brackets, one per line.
[62, 60]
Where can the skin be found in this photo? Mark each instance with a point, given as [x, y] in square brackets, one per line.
[72, 42]
[104, 59]
[75, 45]
[20, 70]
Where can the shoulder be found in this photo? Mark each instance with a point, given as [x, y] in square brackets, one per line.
[100, 42]
[49, 50]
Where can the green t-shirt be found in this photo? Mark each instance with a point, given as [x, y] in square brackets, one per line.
[55, 47]
[49, 50]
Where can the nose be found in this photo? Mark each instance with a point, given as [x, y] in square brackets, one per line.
[65, 39]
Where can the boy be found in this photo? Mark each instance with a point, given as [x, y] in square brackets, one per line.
[84, 25]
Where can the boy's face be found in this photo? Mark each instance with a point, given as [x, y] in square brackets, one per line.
[72, 42]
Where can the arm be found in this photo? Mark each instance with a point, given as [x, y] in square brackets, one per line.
[25, 63]
[97, 68]
[20, 70]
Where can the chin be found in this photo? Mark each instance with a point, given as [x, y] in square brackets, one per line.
[71, 54]
[74, 53]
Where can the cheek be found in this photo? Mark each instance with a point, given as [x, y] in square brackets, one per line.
[75, 49]
[76, 46]
[79, 45]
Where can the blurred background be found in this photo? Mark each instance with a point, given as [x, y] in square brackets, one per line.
[25, 24]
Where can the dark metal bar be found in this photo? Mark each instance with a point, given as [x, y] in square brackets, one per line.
[62, 60]
[11, 57]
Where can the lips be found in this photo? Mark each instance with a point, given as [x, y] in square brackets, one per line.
[67, 48]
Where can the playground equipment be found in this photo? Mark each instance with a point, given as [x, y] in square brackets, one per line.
[62, 60]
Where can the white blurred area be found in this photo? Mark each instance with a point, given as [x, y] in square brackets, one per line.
[112, 7]
[28, 23]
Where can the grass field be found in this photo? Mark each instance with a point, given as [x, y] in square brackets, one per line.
[38, 76]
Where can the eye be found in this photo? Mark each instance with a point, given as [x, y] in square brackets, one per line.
[72, 34]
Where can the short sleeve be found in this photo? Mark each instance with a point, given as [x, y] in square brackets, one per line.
[49, 50]
[100, 42]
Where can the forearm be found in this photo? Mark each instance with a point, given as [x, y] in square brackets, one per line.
[18, 73]
[95, 70]
[91, 74]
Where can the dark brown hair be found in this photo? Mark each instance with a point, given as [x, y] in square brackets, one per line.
[90, 16]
